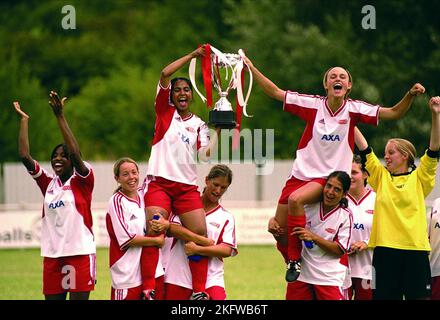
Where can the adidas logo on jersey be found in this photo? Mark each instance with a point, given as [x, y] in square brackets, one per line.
[321, 121]
[133, 217]
[331, 137]
[217, 225]
[330, 230]
[437, 225]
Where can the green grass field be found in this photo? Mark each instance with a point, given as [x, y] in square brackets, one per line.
[256, 273]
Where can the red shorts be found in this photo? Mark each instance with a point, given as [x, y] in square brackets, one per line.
[136, 292]
[175, 292]
[127, 294]
[299, 290]
[173, 196]
[361, 288]
[294, 184]
[69, 274]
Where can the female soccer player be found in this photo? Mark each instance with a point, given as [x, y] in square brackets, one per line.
[125, 221]
[399, 235]
[361, 203]
[180, 136]
[328, 228]
[67, 241]
[323, 148]
[221, 230]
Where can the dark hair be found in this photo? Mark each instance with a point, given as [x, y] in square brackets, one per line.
[65, 150]
[358, 159]
[220, 170]
[345, 180]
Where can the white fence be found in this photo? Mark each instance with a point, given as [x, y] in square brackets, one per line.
[251, 198]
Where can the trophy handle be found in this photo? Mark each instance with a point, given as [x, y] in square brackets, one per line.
[192, 77]
[238, 70]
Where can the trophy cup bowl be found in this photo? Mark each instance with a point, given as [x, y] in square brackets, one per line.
[222, 115]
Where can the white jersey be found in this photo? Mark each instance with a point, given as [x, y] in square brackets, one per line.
[328, 138]
[125, 219]
[67, 222]
[176, 142]
[434, 238]
[362, 210]
[221, 228]
[318, 266]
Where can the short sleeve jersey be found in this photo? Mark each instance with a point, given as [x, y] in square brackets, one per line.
[125, 219]
[434, 238]
[176, 142]
[318, 266]
[328, 139]
[67, 217]
[221, 228]
[362, 210]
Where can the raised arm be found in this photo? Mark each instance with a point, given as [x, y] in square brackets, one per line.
[170, 69]
[399, 109]
[434, 105]
[57, 105]
[360, 140]
[270, 88]
[23, 139]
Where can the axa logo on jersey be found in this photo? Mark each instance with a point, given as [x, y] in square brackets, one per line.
[330, 137]
[56, 204]
[358, 226]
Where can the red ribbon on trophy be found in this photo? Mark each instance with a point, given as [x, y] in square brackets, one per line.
[222, 115]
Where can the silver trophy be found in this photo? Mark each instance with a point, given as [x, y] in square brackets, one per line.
[226, 69]
[223, 115]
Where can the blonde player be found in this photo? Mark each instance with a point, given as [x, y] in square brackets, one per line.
[399, 234]
[329, 224]
[361, 203]
[67, 241]
[323, 148]
[125, 221]
[221, 230]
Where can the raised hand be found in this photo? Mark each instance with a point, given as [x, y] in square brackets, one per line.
[56, 103]
[19, 111]
[199, 52]
[434, 104]
[417, 89]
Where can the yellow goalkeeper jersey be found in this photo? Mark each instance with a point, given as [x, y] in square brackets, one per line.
[399, 219]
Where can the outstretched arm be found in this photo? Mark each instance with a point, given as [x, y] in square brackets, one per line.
[270, 88]
[23, 139]
[57, 105]
[399, 109]
[170, 69]
[434, 143]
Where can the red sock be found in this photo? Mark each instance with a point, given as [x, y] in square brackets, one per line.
[149, 260]
[282, 248]
[199, 273]
[294, 244]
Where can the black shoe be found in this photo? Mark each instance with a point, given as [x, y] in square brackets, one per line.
[293, 270]
[149, 294]
[199, 296]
